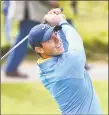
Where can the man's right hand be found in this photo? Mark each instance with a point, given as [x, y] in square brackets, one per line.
[54, 16]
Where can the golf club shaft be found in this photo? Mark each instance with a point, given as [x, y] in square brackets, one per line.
[44, 22]
[14, 47]
[17, 45]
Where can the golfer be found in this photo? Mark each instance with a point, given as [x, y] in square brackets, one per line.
[62, 60]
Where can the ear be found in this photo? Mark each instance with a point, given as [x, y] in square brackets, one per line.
[39, 50]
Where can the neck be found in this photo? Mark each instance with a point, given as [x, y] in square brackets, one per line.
[44, 56]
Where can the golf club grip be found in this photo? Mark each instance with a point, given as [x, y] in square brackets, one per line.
[45, 22]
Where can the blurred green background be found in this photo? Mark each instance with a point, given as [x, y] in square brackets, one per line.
[32, 98]
[91, 23]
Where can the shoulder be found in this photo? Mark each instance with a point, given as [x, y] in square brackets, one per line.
[73, 55]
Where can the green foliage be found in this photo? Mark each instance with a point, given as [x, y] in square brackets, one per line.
[92, 24]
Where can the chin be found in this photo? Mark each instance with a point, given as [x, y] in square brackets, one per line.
[60, 52]
[57, 54]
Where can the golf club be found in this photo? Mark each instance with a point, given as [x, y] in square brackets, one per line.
[44, 22]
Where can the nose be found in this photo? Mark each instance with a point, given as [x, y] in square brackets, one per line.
[57, 39]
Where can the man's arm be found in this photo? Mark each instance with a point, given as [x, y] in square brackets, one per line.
[54, 18]
[71, 36]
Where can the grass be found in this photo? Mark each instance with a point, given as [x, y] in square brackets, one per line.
[101, 87]
[32, 98]
[27, 98]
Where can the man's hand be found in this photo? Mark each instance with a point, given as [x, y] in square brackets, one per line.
[56, 11]
[54, 16]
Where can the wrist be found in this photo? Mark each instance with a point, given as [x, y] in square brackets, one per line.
[62, 21]
[57, 22]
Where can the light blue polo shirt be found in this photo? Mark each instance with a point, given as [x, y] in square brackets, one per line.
[66, 78]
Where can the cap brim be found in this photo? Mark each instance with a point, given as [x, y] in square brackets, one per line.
[48, 34]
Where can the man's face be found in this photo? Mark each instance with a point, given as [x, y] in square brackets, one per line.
[53, 46]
